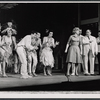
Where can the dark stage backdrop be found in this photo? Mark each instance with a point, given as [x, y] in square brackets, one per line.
[59, 17]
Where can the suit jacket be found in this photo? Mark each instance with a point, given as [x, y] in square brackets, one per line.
[89, 46]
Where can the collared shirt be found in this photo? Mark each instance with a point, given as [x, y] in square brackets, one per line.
[87, 45]
[26, 42]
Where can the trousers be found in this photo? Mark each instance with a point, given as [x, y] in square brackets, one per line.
[88, 57]
[22, 56]
[32, 56]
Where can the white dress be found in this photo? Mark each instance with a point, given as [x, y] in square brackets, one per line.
[47, 54]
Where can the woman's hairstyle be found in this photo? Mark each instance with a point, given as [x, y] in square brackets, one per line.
[14, 25]
[75, 29]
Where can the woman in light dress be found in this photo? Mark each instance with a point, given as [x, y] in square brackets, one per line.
[46, 57]
[6, 50]
[11, 25]
[74, 49]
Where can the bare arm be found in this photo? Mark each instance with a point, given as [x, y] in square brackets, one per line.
[66, 48]
[14, 31]
[4, 31]
[80, 44]
[14, 41]
[69, 40]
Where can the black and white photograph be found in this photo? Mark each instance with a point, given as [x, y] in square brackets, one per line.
[49, 46]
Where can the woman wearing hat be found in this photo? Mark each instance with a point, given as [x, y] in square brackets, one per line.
[74, 52]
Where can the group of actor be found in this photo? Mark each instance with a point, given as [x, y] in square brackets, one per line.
[81, 49]
[25, 52]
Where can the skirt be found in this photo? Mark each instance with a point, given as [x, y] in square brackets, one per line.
[6, 56]
[46, 57]
[73, 55]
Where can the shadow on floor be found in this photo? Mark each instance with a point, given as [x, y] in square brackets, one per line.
[65, 86]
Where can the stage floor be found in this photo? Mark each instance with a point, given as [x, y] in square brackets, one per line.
[14, 81]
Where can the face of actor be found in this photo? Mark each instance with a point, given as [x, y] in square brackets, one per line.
[9, 24]
[77, 32]
[88, 32]
[33, 41]
[33, 35]
[50, 34]
[9, 33]
[80, 32]
[38, 35]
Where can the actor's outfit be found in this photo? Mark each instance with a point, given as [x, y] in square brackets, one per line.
[74, 55]
[47, 54]
[22, 46]
[98, 42]
[90, 49]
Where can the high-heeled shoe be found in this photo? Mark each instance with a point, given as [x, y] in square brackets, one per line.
[77, 74]
[72, 74]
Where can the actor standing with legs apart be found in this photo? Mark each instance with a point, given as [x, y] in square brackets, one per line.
[74, 52]
[22, 47]
[47, 54]
[90, 49]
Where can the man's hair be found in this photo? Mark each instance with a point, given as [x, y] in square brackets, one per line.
[88, 30]
[32, 32]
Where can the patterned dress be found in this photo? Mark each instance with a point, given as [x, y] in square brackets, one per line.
[7, 50]
[47, 54]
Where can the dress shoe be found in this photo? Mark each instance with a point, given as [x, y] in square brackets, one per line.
[30, 74]
[45, 74]
[72, 74]
[93, 74]
[25, 77]
[87, 74]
